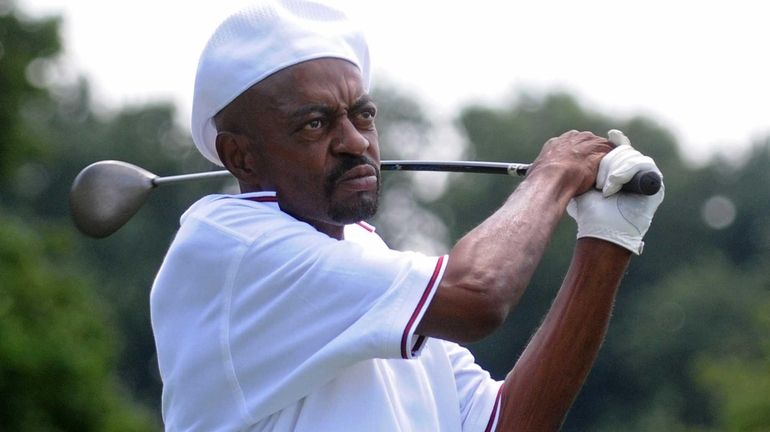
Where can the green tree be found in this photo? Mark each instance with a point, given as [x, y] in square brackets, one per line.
[25, 45]
[57, 356]
[673, 334]
[57, 344]
[67, 131]
[740, 385]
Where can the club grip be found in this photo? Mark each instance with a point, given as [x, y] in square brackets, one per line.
[644, 183]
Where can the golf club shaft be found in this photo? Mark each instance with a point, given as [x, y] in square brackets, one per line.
[513, 169]
[645, 182]
[159, 181]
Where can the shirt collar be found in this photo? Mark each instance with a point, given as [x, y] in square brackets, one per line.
[262, 197]
[272, 197]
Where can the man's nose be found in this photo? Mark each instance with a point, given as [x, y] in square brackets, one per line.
[350, 139]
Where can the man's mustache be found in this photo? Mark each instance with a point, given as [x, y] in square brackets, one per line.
[347, 163]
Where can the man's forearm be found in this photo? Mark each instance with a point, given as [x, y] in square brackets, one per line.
[497, 259]
[544, 382]
[491, 266]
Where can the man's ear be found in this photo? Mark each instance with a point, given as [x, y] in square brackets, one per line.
[236, 155]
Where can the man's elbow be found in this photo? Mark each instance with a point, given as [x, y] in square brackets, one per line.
[485, 313]
[469, 306]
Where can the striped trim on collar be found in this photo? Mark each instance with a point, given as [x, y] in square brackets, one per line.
[366, 226]
[261, 197]
[272, 197]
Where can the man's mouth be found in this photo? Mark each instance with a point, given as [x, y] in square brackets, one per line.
[359, 178]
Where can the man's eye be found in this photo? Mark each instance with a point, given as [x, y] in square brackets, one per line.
[314, 124]
[366, 115]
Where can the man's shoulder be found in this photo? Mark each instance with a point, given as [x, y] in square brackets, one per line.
[363, 233]
[244, 216]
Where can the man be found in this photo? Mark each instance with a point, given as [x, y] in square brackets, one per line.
[277, 309]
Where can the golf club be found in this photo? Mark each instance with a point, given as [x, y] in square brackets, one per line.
[106, 194]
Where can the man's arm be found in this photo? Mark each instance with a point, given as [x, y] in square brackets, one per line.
[491, 266]
[541, 387]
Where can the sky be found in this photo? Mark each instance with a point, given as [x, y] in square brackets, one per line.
[698, 68]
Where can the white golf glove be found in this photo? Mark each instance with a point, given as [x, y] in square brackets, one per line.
[620, 218]
[619, 166]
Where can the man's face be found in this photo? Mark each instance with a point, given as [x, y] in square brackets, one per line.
[315, 143]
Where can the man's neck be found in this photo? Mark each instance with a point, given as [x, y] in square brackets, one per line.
[333, 230]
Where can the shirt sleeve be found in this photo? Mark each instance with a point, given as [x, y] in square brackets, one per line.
[479, 394]
[301, 307]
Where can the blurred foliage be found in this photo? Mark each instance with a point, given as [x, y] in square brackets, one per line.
[57, 347]
[77, 348]
[688, 348]
[405, 132]
[25, 45]
[56, 354]
[737, 371]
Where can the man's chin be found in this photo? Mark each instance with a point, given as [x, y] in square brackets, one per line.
[356, 209]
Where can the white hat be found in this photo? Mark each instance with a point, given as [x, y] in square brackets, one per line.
[259, 41]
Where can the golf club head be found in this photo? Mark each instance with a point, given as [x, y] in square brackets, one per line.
[106, 194]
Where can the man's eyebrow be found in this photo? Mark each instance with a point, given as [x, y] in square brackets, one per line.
[328, 110]
[361, 102]
[310, 109]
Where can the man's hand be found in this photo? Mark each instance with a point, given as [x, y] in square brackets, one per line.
[620, 218]
[573, 158]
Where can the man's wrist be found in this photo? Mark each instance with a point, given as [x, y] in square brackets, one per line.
[602, 247]
[633, 244]
[555, 179]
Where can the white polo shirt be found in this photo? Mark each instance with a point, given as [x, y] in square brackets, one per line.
[262, 323]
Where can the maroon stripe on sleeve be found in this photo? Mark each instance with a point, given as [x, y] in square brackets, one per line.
[420, 306]
[493, 416]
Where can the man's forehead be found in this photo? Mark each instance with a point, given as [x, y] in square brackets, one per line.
[317, 81]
